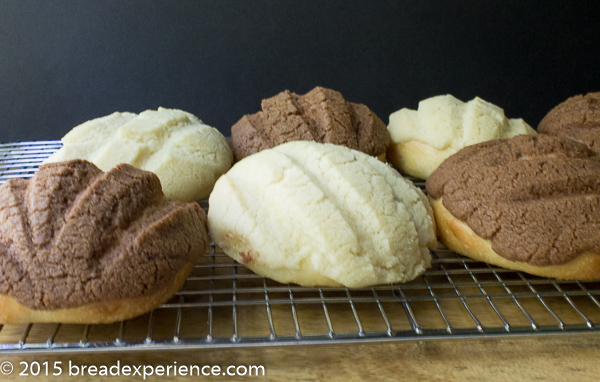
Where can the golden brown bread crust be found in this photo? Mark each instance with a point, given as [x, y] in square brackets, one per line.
[457, 236]
[11, 312]
[416, 158]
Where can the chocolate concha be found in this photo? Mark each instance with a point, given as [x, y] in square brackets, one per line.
[321, 115]
[577, 118]
[530, 203]
[80, 245]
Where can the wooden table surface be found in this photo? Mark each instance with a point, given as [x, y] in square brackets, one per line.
[543, 358]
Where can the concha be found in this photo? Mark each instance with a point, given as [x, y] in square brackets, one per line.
[322, 215]
[81, 245]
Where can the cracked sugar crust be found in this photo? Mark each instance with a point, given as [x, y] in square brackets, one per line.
[322, 214]
[577, 118]
[322, 115]
[536, 198]
[73, 235]
[187, 156]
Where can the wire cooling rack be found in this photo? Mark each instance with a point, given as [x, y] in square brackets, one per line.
[222, 304]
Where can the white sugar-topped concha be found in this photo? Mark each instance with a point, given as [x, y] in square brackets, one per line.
[322, 215]
[186, 155]
[441, 126]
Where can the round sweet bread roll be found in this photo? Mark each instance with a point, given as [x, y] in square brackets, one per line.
[577, 118]
[529, 203]
[81, 246]
[186, 155]
[422, 139]
[322, 215]
[321, 115]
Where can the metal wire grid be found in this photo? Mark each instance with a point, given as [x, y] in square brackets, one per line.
[223, 304]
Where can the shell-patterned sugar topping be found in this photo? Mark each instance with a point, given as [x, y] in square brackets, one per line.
[187, 155]
[321, 115]
[535, 198]
[73, 235]
[446, 122]
[322, 214]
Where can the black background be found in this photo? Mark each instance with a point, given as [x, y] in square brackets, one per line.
[65, 62]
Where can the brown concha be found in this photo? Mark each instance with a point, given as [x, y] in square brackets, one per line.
[321, 115]
[577, 118]
[75, 236]
[535, 198]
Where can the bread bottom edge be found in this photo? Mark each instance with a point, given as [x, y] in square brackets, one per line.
[13, 312]
[416, 158]
[459, 237]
